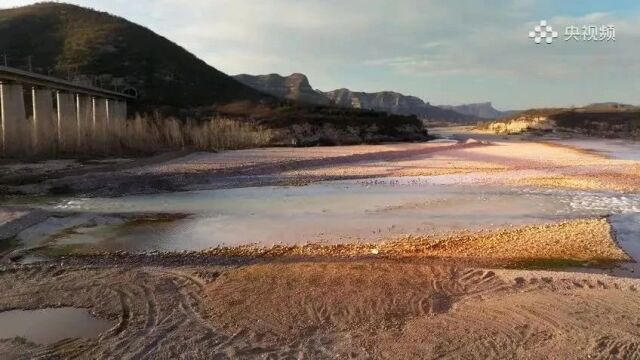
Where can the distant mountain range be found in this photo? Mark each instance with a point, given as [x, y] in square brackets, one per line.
[395, 103]
[297, 87]
[607, 106]
[482, 110]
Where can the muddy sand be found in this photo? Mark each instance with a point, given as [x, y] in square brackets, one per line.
[357, 309]
[532, 291]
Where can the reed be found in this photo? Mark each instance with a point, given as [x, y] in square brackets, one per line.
[152, 133]
[149, 134]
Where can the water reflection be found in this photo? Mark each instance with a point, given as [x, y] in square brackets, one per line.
[47, 326]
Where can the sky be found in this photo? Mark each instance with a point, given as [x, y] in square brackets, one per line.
[445, 52]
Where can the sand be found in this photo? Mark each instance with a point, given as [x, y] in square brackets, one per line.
[624, 181]
[358, 309]
[584, 240]
[439, 296]
[495, 160]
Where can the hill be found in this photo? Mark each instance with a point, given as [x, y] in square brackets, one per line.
[84, 44]
[296, 87]
[599, 120]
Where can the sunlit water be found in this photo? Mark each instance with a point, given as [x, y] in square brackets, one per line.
[332, 212]
[47, 326]
[615, 148]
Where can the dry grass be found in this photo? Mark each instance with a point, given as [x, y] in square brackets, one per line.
[148, 134]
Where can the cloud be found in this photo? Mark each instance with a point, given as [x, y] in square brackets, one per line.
[504, 50]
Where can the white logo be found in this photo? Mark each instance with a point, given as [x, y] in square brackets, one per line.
[543, 32]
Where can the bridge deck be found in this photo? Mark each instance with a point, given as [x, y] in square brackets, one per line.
[26, 77]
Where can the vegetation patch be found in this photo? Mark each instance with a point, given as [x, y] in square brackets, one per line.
[154, 219]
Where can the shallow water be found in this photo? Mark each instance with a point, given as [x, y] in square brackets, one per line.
[331, 212]
[615, 148]
[627, 232]
[47, 326]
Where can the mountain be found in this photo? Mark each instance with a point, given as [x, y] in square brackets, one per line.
[293, 87]
[394, 103]
[386, 100]
[481, 110]
[84, 44]
[297, 87]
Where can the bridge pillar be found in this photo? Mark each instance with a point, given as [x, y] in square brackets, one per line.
[44, 123]
[119, 110]
[67, 125]
[122, 116]
[84, 119]
[100, 123]
[115, 125]
[15, 137]
[122, 110]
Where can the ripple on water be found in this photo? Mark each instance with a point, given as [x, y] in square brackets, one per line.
[610, 203]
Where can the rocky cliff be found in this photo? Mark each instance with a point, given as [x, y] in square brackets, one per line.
[296, 87]
[386, 100]
[293, 87]
[394, 103]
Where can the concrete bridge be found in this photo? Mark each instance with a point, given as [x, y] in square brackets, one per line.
[43, 115]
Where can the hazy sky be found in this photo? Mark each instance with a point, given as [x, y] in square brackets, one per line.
[446, 52]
